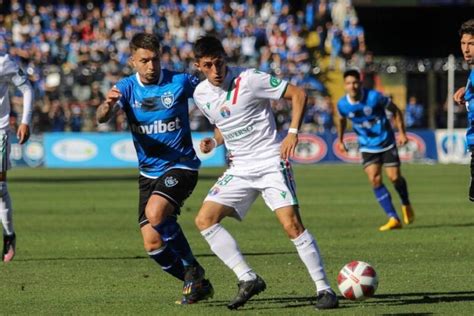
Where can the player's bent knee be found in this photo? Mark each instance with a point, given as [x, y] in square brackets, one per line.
[293, 229]
[204, 221]
[152, 244]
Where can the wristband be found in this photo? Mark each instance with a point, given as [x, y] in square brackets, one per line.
[214, 141]
[292, 131]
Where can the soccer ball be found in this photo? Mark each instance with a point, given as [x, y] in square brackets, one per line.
[357, 280]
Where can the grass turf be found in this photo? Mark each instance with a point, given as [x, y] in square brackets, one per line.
[79, 250]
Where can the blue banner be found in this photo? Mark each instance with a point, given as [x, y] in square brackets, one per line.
[107, 150]
[30, 154]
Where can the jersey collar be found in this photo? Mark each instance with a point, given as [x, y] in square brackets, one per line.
[362, 95]
[141, 84]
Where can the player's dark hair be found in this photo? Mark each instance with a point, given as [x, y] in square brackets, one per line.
[467, 28]
[208, 46]
[352, 73]
[146, 41]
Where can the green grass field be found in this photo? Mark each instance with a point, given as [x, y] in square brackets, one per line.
[79, 250]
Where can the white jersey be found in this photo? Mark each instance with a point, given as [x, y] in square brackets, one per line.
[241, 110]
[10, 72]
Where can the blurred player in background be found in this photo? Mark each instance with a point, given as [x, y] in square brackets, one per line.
[155, 102]
[237, 102]
[465, 95]
[366, 109]
[10, 72]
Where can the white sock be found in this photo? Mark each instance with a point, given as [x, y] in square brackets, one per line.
[226, 248]
[309, 253]
[6, 209]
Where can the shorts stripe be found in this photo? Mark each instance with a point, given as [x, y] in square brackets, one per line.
[4, 153]
[166, 196]
[289, 179]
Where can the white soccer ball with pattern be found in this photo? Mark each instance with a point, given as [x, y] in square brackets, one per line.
[357, 280]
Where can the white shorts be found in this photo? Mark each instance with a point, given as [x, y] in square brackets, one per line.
[275, 182]
[4, 151]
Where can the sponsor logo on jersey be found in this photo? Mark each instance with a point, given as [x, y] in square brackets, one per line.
[274, 82]
[157, 127]
[310, 149]
[367, 110]
[414, 149]
[238, 134]
[167, 99]
[171, 181]
[225, 112]
[353, 154]
[214, 191]
[208, 105]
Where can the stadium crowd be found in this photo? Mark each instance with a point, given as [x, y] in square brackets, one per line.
[75, 51]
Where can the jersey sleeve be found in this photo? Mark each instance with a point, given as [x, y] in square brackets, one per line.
[382, 100]
[265, 86]
[11, 68]
[340, 109]
[124, 87]
[190, 84]
[199, 101]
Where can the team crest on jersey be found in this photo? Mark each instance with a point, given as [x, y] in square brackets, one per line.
[167, 99]
[351, 114]
[367, 110]
[225, 112]
[214, 191]
[171, 181]
[274, 82]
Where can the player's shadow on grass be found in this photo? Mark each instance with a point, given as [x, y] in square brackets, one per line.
[262, 303]
[441, 225]
[424, 298]
[201, 255]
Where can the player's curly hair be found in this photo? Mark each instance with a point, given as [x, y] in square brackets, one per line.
[467, 28]
[146, 41]
[208, 46]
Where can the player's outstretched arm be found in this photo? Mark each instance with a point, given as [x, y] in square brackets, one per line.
[298, 99]
[399, 122]
[459, 95]
[23, 132]
[209, 143]
[341, 128]
[105, 110]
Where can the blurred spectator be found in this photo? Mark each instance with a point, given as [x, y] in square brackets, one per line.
[414, 114]
[73, 50]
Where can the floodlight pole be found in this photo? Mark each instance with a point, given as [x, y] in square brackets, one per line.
[450, 121]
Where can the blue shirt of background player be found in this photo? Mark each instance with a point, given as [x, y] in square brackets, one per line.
[469, 97]
[158, 119]
[369, 121]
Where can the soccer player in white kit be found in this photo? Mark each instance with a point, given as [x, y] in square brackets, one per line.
[237, 102]
[10, 73]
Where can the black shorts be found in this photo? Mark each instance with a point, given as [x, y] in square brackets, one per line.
[176, 185]
[388, 158]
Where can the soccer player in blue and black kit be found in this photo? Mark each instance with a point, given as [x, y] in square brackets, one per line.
[366, 109]
[155, 102]
[465, 95]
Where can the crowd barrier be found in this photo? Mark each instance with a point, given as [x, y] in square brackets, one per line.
[115, 150]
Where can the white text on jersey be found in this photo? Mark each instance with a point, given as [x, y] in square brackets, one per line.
[156, 127]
